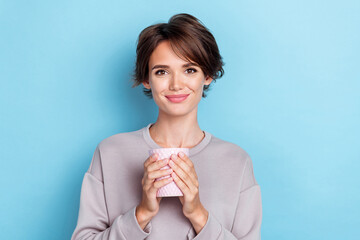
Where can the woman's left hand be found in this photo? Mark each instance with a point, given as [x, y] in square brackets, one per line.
[186, 179]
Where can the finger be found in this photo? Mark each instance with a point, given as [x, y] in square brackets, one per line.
[151, 159]
[158, 184]
[162, 182]
[150, 177]
[186, 178]
[159, 173]
[189, 170]
[188, 161]
[158, 164]
[180, 183]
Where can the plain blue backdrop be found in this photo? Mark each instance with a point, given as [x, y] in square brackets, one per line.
[290, 97]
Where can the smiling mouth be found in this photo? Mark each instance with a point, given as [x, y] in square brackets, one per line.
[177, 98]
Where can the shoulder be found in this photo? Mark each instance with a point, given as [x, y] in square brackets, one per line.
[121, 140]
[109, 150]
[228, 149]
[232, 159]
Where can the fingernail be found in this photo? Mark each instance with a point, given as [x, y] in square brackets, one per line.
[181, 154]
[173, 156]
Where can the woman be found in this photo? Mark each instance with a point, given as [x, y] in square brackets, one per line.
[176, 62]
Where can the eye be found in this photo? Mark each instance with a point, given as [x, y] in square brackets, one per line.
[161, 71]
[192, 69]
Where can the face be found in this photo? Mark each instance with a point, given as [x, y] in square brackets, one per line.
[171, 75]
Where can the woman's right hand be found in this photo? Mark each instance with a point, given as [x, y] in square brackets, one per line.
[149, 205]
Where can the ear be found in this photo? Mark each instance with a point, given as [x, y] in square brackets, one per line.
[146, 84]
[208, 80]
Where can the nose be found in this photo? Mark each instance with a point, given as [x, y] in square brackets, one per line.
[175, 82]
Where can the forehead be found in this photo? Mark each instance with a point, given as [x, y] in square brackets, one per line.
[164, 54]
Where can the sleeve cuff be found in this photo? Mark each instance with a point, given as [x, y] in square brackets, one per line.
[211, 229]
[130, 227]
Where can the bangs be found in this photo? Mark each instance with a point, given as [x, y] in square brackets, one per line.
[186, 48]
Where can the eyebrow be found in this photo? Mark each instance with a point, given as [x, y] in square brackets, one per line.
[166, 66]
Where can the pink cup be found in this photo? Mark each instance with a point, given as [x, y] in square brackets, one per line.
[170, 189]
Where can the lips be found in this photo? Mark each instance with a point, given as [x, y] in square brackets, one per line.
[177, 98]
[177, 95]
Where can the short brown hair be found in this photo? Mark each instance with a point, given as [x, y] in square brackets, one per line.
[188, 37]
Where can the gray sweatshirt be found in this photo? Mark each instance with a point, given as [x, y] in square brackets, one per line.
[111, 190]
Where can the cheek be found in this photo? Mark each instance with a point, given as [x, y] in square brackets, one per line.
[158, 85]
[197, 86]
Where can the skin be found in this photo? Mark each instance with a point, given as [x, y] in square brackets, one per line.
[176, 126]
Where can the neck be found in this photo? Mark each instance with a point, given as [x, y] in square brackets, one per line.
[176, 132]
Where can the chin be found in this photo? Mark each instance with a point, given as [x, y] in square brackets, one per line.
[179, 110]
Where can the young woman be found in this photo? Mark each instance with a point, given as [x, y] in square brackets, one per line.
[176, 63]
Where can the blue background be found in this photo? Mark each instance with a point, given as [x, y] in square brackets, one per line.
[290, 97]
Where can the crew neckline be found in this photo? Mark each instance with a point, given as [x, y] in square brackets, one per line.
[192, 151]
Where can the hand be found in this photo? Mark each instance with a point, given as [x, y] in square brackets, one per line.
[186, 179]
[149, 205]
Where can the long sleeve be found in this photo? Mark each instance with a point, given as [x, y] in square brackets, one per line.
[93, 219]
[248, 216]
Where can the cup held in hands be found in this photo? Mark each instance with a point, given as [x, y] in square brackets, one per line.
[170, 189]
